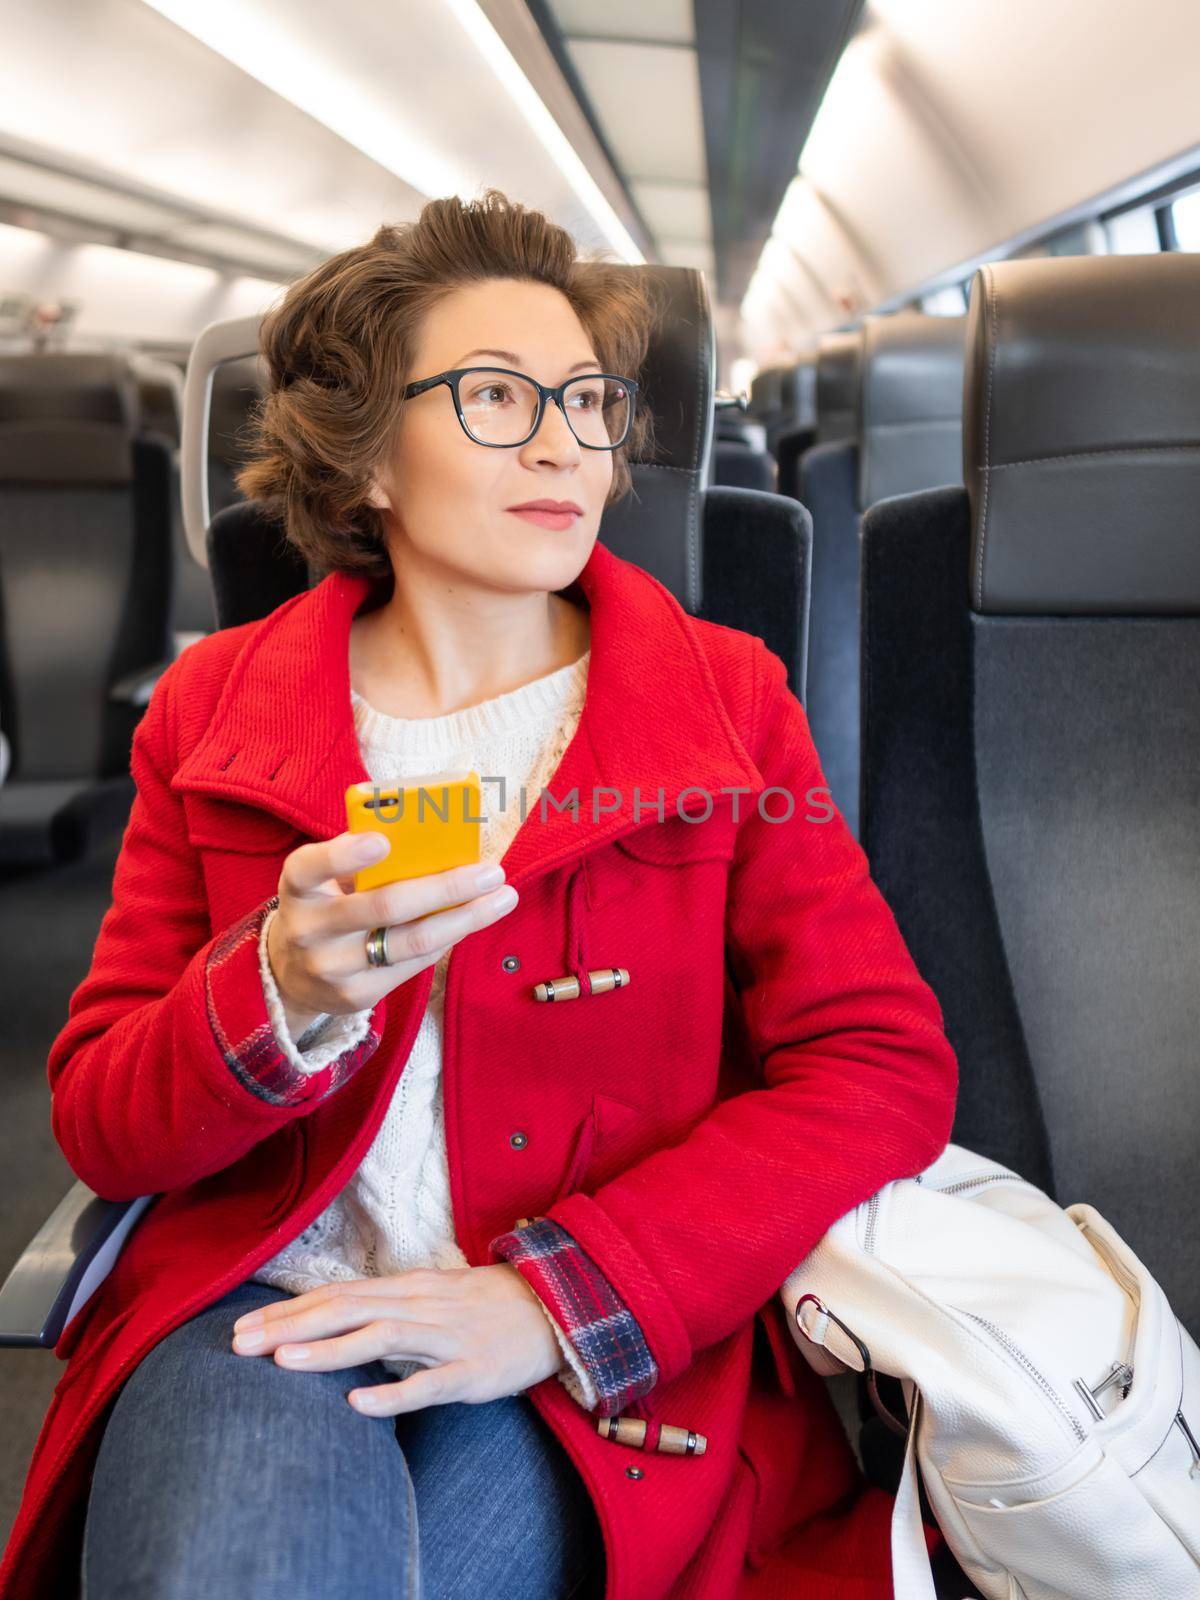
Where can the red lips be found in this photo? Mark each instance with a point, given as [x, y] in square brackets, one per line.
[549, 505]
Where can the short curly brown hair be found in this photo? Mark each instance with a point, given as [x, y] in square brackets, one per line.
[338, 351]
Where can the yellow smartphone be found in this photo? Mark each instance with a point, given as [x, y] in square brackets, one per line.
[431, 822]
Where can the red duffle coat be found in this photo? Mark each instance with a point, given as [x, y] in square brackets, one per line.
[773, 1060]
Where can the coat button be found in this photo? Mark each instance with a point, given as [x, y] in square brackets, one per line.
[511, 963]
[518, 1140]
[633, 1472]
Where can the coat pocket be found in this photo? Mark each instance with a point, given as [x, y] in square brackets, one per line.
[607, 1142]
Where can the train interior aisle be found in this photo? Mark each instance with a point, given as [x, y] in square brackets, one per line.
[927, 421]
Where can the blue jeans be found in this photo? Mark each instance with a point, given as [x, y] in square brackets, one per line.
[222, 1474]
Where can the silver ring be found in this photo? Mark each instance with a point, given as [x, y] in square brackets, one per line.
[377, 948]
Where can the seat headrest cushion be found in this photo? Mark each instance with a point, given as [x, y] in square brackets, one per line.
[912, 404]
[1081, 434]
[67, 418]
[839, 386]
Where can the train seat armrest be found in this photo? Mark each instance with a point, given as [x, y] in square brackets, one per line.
[62, 1266]
[136, 687]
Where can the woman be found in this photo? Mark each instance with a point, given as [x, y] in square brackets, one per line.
[437, 1190]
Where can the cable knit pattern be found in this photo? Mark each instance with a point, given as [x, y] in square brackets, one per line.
[395, 1213]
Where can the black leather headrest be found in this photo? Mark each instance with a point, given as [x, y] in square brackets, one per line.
[236, 389]
[839, 386]
[912, 385]
[66, 418]
[1081, 434]
[734, 424]
[660, 525]
[160, 397]
[766, 393]
[804, 411]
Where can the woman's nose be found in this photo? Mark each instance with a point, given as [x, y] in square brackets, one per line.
[554, 432]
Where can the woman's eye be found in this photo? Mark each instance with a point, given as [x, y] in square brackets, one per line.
[490, 393]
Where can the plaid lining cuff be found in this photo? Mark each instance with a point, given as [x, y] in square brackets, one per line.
[241, 1026]
[603, 1332]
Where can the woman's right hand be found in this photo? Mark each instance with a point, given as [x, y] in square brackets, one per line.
[317, 940]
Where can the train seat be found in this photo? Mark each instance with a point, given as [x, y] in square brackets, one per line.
[85, 581]
[766, 396]
[160, 401]
[738, 465]
[1031, 738]
[892, 424]
[798, 416]
[740, 456]
[237, 388]
[836, 403]
[731, 423]
[800, 432]
[839, 386]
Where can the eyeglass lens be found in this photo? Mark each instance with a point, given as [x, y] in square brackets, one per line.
[499, 409]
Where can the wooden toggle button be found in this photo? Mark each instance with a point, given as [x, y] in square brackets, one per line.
[568, 988]
[672, 1440]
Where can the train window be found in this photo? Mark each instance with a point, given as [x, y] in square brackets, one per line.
[1185, 220]
[949, 301]
[1134, 232]
[1083, 239]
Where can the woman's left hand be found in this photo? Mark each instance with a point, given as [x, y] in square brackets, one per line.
[480, 1331]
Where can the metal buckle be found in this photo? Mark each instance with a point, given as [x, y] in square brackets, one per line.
[885, 1415]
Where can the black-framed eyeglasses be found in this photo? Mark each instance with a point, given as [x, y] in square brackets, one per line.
[502, 408]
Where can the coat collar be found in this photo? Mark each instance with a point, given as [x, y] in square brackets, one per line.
[282, 737]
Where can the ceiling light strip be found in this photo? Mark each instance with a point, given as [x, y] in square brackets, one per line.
[281, 63]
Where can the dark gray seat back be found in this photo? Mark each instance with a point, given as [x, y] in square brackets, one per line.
[659, 525]
[236, 390]
[85, 560]
[1031, 737]
[912, 404]
[160, 400]
[824, 479]
[798, 402]
[839, 385]
[892, 424]
[739, 465]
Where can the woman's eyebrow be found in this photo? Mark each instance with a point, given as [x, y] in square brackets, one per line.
[508, 355]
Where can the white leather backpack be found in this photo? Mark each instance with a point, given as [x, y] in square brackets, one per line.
[1053, 1396]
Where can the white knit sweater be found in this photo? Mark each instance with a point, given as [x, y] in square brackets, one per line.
[394, 1214]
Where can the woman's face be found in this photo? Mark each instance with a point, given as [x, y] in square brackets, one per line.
[449, 498]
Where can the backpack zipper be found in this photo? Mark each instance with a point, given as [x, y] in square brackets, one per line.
[978, 1181]
[1181, 1420]
[1121, 1373]
[1039, 1378]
